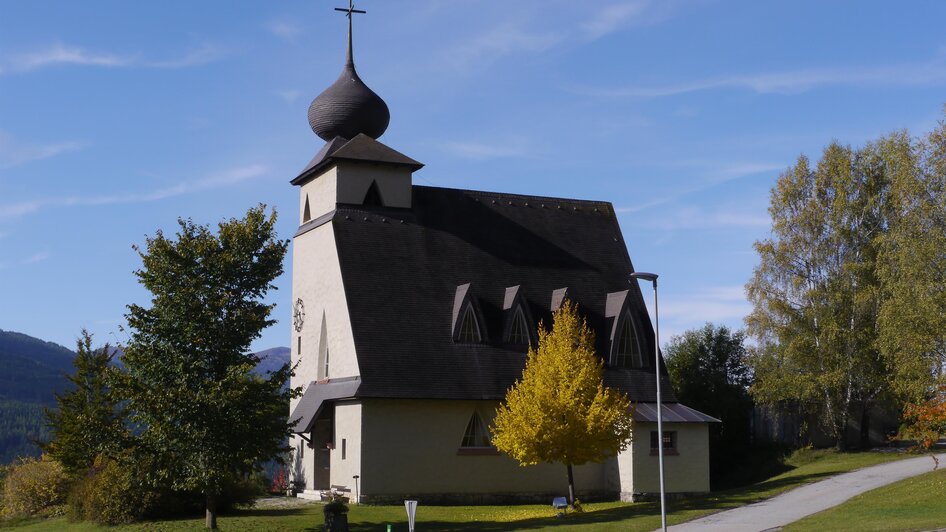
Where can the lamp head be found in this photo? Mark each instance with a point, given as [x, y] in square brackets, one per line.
[652, 277]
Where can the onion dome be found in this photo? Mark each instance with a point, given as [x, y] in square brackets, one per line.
[348, 107]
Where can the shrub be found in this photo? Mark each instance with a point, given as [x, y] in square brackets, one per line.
[109, 494]
[34, 486]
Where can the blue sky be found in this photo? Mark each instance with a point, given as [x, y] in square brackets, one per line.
[118, 117]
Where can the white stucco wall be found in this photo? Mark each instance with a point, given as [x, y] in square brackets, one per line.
[354, 178]
[685, 472]
[348, 428]
[410, 447]
[321, 192]
[317, 280]
[348, 182]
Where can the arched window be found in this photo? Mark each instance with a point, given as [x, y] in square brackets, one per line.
[628, 353]
[475, 435]
[469, 331]
[519, 329]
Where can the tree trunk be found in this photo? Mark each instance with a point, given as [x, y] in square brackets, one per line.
[571, 485]
[211, 521]
[865, 427]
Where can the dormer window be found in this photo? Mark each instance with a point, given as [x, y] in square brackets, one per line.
[628, 354]
[519, 330]
[469, 330]
[467, 321]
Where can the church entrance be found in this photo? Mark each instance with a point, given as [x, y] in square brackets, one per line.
[322, 438]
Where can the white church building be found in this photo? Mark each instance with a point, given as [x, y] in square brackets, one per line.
[414, 307]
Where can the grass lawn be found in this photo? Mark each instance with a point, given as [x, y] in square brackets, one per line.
[806, 466]
[917, 503]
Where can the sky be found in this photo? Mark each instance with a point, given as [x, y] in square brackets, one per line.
[118, 117]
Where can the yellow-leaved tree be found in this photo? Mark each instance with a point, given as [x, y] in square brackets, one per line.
[560, 411]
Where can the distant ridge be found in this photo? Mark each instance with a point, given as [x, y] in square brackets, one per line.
[272, 359]
[32, 371]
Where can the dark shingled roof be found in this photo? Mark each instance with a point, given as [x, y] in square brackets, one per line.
[401, 269]
[361, 148]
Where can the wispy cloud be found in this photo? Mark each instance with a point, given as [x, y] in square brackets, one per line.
[288, 95]
[483, 151]
[713, 175]
[626, 14]
[609, 19]
[202, 55]
[499, 42]
[60, 54]
[283, 29]
[717, 304]
[692, 217]
[931, 73]
[26, 261]
[232, 176]
[14, 152]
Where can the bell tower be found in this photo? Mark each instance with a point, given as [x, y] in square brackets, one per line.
[352, 167]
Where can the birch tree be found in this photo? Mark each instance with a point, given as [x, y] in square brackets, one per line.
[815, 294]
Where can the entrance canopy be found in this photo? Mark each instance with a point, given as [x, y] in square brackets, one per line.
[316, 396]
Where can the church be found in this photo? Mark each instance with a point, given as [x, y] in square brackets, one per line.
[413, 311]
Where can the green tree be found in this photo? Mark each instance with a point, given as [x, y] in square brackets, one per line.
[815, 292]
[707, 367]
[912, 322]
[560, 410]
[87, 421]
[205, 416]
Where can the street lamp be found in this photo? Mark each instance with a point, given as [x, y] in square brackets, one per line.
[652, 277]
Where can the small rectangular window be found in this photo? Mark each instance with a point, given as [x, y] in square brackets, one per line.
[669, 442]
[344, 445]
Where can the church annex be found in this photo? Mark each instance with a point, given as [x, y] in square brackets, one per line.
[414, 307]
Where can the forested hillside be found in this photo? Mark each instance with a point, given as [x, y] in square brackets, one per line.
[33, 371]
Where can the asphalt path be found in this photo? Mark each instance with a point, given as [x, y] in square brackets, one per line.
[811, 498]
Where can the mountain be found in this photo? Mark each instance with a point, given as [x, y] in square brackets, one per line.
[272, 359]
[33, 369]
[33, 372]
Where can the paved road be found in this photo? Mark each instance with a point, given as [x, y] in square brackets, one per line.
[812, 498]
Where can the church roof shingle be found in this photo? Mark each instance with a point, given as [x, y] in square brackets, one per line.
[401, 269]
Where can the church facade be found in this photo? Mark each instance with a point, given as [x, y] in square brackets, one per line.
[414, 308]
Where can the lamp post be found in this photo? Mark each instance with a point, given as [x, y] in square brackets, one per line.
[652, 277]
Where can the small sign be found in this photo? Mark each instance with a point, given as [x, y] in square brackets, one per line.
[411, 507]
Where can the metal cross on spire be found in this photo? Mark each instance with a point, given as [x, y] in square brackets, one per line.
[348, 12]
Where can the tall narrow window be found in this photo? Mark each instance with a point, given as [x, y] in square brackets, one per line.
[629, 351]
[475, 435]
[344, 448]
[519, 331]
[306, 213]
[469, 331]
[299, 345]
[326, 362]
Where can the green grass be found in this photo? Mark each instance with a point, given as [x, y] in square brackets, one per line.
[913, 504]
[805, 466]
